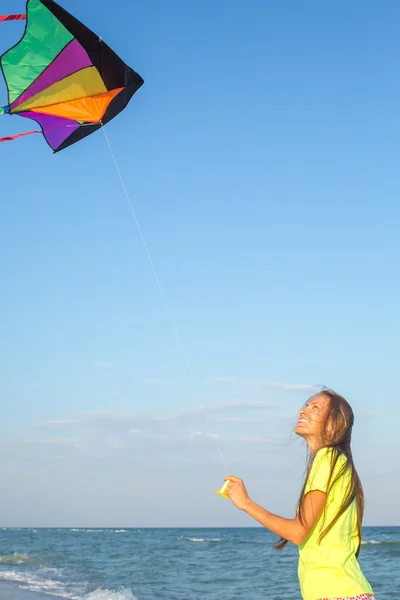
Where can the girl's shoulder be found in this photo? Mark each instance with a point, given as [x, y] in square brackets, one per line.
[328, 456]
[328, 466]
[327, 452]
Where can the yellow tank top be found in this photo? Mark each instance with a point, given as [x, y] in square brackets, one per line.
[330, 569]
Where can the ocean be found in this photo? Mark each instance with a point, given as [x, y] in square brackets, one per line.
[171, 564]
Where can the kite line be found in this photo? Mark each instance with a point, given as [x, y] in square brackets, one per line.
[163, 296]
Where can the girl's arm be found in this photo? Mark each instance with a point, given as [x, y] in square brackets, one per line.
[290, 529]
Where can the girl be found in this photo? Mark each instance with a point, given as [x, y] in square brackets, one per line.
[327, 528]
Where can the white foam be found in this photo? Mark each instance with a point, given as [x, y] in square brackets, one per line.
[365, 542]
[15, 559]
[51, 570]
[93, 530]
[52, 593]
[200, 540]
[84, 530]
[52, 587]
[102, 594]
[30, 581]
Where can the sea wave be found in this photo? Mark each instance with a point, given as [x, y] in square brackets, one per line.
[103, 594]
[51, 570]
[52, 587]
[94, 530]
[201, 540]
[383, 542]
[82, 530]
[33, 583]
[120, 530]
[16, 558]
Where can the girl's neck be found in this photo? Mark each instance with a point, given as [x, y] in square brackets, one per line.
[314, 445]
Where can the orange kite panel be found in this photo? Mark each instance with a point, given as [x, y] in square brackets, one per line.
[88, 110]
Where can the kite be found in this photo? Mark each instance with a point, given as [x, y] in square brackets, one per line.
[63, 76]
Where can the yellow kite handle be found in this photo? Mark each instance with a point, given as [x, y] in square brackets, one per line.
[222, 490]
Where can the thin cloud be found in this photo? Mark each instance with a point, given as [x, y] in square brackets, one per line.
[55, 423]
[148, 435]
[113, 431]
[254, 440]
[263, 383]
[242, 419]
[160, 417]
[241, 404]
[57, 441]
[156, 381]
[199, 434]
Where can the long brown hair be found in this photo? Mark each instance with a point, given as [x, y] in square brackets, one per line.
[337, 428]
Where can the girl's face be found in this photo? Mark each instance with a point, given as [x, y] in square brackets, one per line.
[312, 418]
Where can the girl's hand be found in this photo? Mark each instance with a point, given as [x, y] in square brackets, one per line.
[237, 492]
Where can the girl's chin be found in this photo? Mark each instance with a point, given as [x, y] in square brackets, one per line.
[300, 430]
[299, 427]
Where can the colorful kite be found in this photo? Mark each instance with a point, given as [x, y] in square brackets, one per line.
[64, 77]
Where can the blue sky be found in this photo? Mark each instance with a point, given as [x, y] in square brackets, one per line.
[261, 157]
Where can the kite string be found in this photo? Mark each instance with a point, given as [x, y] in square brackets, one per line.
[174, 326]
